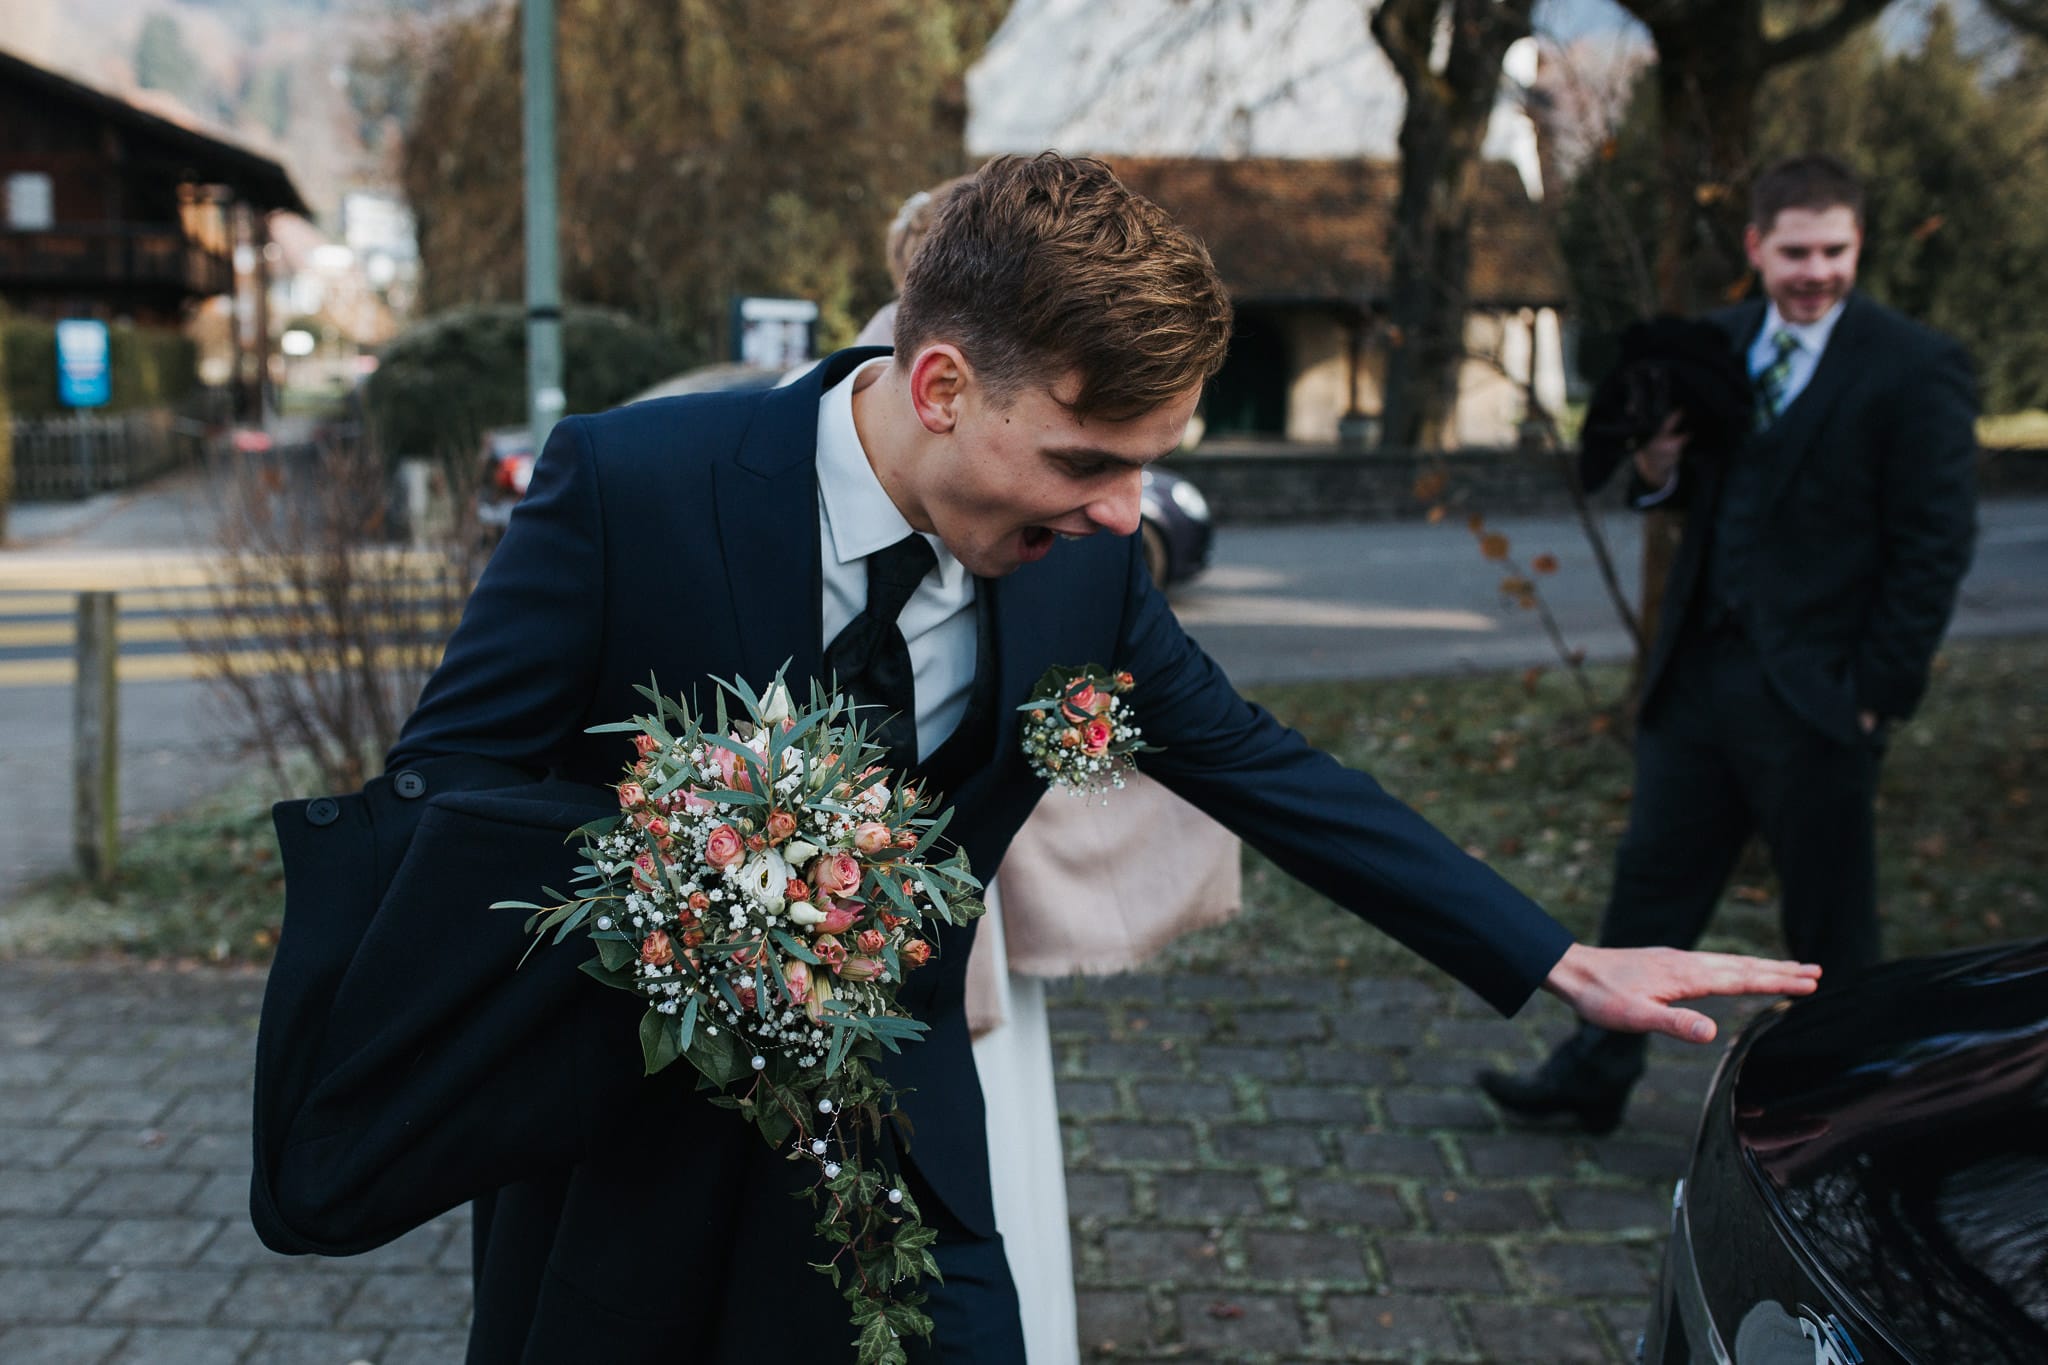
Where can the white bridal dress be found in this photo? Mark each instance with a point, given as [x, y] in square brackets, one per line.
[1026, 1163]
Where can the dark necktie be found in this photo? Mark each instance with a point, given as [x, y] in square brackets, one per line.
[1773, 377]
[871, 661]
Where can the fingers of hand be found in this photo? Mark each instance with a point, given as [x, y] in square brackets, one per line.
[1727, 974]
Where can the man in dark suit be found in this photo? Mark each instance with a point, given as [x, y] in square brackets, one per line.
[1819, 566]
[1052, 340]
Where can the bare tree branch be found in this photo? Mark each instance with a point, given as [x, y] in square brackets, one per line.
[1820, 37]
[2028, 16]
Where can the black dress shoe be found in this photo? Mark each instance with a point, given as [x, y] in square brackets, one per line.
[1588, 1078]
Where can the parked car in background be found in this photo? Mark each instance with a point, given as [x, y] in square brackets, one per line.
[1175, 524]
[1870, 1180]
[1175, 527]
[508, 467]
[508, 452]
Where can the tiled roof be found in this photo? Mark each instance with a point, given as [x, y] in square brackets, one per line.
[1283, 229]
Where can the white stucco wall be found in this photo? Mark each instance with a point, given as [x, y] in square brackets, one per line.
[1213, 78]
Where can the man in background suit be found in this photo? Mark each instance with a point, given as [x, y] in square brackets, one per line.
[1054, 335]
[1818, 569]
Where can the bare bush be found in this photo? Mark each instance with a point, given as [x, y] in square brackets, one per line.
[321, 624]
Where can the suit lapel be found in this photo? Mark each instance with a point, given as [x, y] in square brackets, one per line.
[1785, 444]
[766, 512]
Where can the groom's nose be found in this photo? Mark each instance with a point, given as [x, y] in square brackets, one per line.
[1117, 509]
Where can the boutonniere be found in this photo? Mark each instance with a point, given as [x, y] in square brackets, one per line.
[1079, 733]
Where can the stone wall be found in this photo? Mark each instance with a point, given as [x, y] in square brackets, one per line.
[1325, 483]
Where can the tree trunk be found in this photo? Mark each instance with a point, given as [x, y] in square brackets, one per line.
[1442, 130]
[1426, 306]
[1706, 90]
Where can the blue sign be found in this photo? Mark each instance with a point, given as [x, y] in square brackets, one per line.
[82, 370]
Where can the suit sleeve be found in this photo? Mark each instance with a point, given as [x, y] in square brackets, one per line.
[1927, 524]
[1330, 826]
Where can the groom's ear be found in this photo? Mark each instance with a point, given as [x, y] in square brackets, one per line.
[939, 377]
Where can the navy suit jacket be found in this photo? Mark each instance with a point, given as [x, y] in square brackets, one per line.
[409, 1063]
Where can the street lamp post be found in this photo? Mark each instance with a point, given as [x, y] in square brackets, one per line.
[543, 268]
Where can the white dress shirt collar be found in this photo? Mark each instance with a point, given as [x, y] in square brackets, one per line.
[1811, 336]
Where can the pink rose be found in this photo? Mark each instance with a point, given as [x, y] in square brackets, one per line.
[1079, 701]
[795, 890]
[749, 997]
[645, 744]
[916, 952]
[862, 968]
[658, 827]
[871, 837]
[1095, 736]
[830, 951]
[781, 824]
[840, 917]
[724, 849]
[643, 871]
[699, 902]
[796, 976]
[656, 951]
[871, 941]
[631, 794]
[834, 874]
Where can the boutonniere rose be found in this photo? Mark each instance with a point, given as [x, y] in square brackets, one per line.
[1079, 732]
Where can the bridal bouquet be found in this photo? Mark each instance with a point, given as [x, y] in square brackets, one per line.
[765, 887]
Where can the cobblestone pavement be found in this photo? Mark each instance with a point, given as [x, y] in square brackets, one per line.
[1260, 1169]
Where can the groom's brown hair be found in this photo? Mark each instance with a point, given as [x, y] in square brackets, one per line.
[1038, 266]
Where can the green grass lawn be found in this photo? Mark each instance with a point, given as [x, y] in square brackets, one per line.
[1517, 774]
[1513, 770]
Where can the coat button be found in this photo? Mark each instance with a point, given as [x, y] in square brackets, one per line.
[323, 810]
[409, 785]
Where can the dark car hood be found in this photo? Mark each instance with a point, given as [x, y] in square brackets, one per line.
[1900, 1125]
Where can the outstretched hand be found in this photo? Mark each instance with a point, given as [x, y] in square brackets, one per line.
[1633, 990]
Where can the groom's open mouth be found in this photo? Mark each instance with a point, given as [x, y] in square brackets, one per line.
[1038, 542]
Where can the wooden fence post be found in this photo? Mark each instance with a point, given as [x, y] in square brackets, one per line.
[96, 738]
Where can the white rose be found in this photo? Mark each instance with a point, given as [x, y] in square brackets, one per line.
[763, 878]
[775, 706]
[800, 853]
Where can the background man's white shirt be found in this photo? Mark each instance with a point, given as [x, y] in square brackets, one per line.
[1813, 340]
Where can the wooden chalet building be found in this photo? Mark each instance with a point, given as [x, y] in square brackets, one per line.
[1303, 246]
[109, 211]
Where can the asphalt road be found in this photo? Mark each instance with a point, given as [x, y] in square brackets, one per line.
[1281, 603]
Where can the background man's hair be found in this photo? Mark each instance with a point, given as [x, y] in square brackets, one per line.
[1042, 265]
[1815, 181]
[912, 223]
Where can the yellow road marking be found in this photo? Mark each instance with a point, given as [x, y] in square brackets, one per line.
[113, 570]
[176, 667]
[25, 635]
